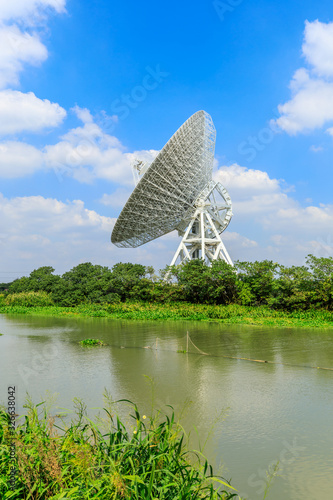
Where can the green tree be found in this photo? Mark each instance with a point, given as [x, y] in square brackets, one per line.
[200, 283]
[321, 270]
[43, 279]
[193, 278]
[293, 288]
[222, 283]
[127, 277]
[84, 283]
[258, 278]
[40, 280]
[4, 286]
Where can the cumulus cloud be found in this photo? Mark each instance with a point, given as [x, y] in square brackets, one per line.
[87, 153]
[268, 223]
[318, 47]
[310, 108]
[253, 192]
[264, 213]
[18, 159]
[236, 239]
[301, 220]
[38, 231]
[19, 40]
[84, 153]
[18, 48]
[44, 231]
[83, 114]
[117, 199]
[311, 104]
[242, 181]
[25, 112]
[26, 9]
[255, 196]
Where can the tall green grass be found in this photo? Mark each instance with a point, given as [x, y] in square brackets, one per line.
[104, 460]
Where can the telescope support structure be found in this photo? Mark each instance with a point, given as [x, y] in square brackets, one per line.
[201, 239]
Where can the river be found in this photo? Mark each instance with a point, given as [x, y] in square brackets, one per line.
[255, 414]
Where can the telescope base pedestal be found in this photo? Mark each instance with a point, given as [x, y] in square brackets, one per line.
[201, 240]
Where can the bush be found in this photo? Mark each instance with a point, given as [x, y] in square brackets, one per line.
[28, 299]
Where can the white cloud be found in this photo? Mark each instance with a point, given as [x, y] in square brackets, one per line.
[237, 240]
[42, 231]
[311, 105]
[18, 159]
[26, 112]
[87, 153]
[38, 231]
[318, 47]
[268, 224]
[25, 9]
[264, 213]
[20, 45]
[117, 199]
[307, 221]
[242, 182]
[310, 108]
[83, 114]
[17, 49]
[253, 192]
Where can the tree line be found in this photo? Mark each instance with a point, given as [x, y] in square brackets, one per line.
[247, 283]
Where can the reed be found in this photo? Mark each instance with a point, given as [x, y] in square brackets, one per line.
[104, 459]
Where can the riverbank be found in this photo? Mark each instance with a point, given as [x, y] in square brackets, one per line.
[230, 314]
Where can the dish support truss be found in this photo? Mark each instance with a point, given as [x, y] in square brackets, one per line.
[167, 188]
[201, 230]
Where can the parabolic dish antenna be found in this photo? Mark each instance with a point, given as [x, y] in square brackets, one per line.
[177, 192]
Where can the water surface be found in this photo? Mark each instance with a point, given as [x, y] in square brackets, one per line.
[263, 412]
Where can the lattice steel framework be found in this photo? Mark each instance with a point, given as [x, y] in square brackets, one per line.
[173, 188]
[170, 185]
[201, 233]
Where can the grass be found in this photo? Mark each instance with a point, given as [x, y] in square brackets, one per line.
[103, 459]
[230, 314]
[92, 342]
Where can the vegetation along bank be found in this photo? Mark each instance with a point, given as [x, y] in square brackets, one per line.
[47, 458]
[260, 293]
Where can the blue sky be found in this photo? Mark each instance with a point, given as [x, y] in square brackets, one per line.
[85, 87]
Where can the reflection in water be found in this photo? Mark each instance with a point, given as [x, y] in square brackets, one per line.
[264, 412]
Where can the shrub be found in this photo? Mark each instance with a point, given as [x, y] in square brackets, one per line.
[28, 299]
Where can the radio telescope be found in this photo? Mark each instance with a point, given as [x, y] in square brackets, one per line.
[176, 191]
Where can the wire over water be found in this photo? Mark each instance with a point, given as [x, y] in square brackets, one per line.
[155, 347]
